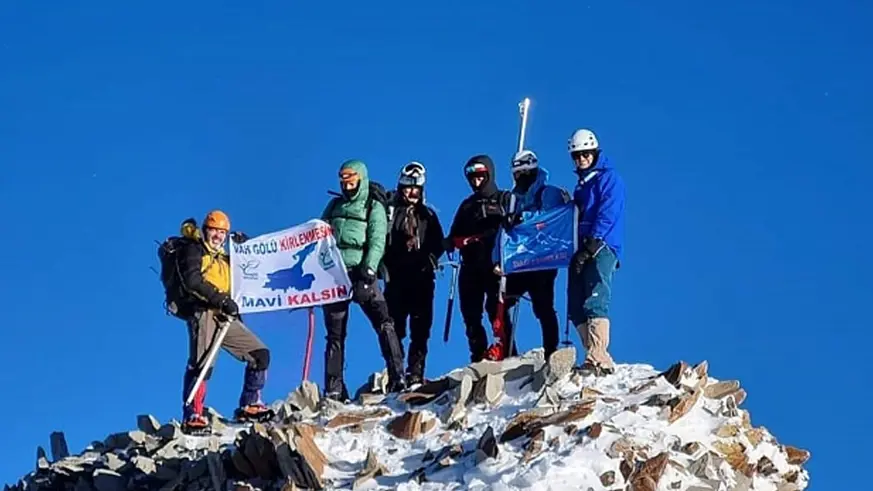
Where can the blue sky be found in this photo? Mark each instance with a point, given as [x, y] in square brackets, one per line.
[741, 129]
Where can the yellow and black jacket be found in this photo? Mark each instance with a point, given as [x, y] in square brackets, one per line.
[205, 276]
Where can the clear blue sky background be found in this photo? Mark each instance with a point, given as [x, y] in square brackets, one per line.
[742, 130]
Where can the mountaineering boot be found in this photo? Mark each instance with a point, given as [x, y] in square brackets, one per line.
[396, 385]
[341, 396]
[196, 425]
[495, 352]
[254, 412]
[250, 406]
[414, 380]
[414, 375]
[192, 414]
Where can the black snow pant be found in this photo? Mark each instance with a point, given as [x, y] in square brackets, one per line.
[336, 319]
[411, 297]
[478, 288]
[541, 287]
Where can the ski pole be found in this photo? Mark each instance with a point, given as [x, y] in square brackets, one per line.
[223, 327]
[451, 301]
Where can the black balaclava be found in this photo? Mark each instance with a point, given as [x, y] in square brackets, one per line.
[489, 186]
[525, 179]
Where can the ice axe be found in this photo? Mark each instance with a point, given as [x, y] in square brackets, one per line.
[223, 327]
[451, 302]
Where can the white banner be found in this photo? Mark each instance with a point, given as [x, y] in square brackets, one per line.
[294, 268]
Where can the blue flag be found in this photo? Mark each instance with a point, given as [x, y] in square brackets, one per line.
[546, 240]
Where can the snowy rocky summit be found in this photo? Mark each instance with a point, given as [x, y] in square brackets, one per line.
[512, 425]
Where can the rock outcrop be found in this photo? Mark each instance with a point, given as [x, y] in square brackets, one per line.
[520, 422]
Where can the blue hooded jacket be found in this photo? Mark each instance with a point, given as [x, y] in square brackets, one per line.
[600, 197]
[529, 204]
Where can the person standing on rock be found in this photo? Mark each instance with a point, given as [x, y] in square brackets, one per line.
[415, 244]
[473, 232]
[358, 219]
[600, 198]
[533, 196]
[203, 269]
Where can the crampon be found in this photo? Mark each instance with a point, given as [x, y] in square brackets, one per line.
[495, 352]
[197, 425]
[254, 412]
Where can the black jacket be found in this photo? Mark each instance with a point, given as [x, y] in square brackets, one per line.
[480, 215]
[196, 292]
[403, 261]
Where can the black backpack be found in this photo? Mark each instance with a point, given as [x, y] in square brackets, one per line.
[171, 278]
[377, 192]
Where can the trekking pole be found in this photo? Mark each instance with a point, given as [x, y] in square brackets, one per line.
[567, 341]
[223, 327]
[451, 301]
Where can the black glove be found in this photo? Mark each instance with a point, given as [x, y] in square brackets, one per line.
[239, 237]
[512, 220]
[593, 246]
[229, 307]
[589, 250]
[366, 274]
[448, 244]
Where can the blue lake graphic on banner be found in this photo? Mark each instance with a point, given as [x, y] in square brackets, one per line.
[293, 277]
[543, 241]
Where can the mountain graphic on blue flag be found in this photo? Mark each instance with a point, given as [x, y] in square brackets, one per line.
[294, 277]
[543, 241]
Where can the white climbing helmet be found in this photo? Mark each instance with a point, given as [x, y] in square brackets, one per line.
[412, 174]
[582, 139]
[523, 161]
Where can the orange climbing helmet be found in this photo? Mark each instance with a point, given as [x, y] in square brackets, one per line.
[217, 219]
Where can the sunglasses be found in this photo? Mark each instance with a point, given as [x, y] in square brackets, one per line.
[582, 153]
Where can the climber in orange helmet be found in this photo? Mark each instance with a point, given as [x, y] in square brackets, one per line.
[204, 276]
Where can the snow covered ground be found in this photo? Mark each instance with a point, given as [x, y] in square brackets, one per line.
[514, 425]
[626, 406]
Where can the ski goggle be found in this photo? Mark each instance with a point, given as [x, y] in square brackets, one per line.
[476, 169]
[412, 175]
[349, 177]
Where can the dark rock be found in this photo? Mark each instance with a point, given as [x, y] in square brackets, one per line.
[674, 374]
[594, 431]
[169, 431]
[59, 446]
[148, 424]
[406, 426]
[42, 463]
[607, 478]
[649, 473]
[486, 448]
[796, 456]
[107, 480]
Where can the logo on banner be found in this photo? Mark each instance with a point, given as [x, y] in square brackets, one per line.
[325, 260]
[248, 269]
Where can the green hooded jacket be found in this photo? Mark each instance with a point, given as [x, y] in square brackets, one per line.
[360, 240]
